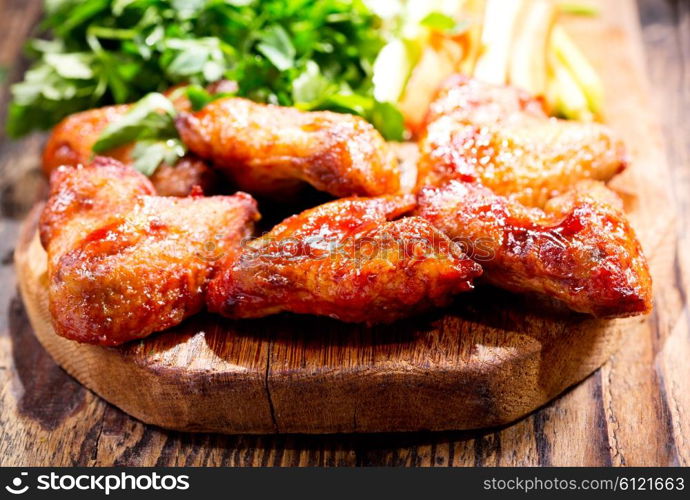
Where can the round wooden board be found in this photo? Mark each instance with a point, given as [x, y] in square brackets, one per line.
[489, 359]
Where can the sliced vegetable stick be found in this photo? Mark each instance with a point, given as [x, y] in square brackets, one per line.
[527, 66]
[440, 59]
[474, 12]
[500, 18]
[391, 69]
[580, 68]
[566, 97]
[579, 9]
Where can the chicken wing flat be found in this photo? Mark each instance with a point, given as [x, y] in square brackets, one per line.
[345, 259]
[72, 140]
[122, 263]
[83, 198]
[580, 249]
[271, 150]
[501, 137]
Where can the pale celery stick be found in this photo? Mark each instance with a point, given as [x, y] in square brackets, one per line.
[527, 65]
[397, 58]
[391, 70]
[565, 95]
[500, 18]
[579, 9]
[580, 68]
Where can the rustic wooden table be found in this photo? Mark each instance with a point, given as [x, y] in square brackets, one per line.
[633, 411]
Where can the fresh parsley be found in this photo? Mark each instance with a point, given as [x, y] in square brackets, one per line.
[150, 153]
[314, 54]
[151, 117]
[150, 125]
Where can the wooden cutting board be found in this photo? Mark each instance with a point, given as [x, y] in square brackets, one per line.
[487, 360]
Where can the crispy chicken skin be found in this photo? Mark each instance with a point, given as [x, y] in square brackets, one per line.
[81, 199]
[271, 150]
[182, 178]
[346, 259]
[122, 263]
[580, 249]
[501, 137]
[71, 141]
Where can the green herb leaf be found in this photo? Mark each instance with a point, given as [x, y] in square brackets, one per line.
[389, 120]
[438, 21]
[199, 97]
[310, 87]
[75, 65]
[187, 9]
[277, 47]
[444, 23]
[149, 154]
[350, 103]
[151, 117]
[313, 54]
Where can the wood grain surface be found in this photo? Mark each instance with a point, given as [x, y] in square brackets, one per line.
[633, 411]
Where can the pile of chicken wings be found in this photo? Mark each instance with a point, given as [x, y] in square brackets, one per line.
[504, 194]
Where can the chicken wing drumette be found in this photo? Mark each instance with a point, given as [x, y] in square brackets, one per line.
[72, 140]
[272, 150]
[122, 263]
[502, 138]
[580, 249]
[346, 259]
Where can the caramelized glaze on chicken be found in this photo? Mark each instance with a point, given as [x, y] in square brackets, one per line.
[182, 178]
[580, 249]
[502, 138]
[81, 199]
[72, 140]
[272, 150]
[122, 263]
[348, 260]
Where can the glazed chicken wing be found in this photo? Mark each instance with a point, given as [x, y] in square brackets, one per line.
[348, 260]
[122, 263]
[72, 140]
[502, 138]
[579, 249]
[272, 150]
[82, 199]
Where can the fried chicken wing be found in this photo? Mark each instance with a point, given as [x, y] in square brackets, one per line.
[501, 137]
[72, 140]
[184, 176]
[346, 259]
[82, 199]
[122, 263]
[272, 150]
[580, 249]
